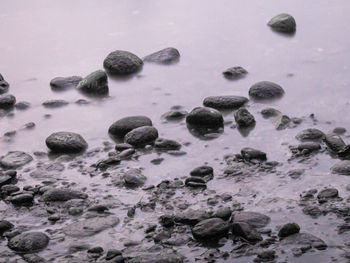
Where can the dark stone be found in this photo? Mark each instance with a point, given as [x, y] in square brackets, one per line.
[5, 226]
[270, 112]
[166, 220]
[244, 230]
[204, 116]
[281, 122]
[134, 178]
[304, 239]
[4, 86]
[235, 73]
[98, 208]
[66, 142]
[327, 193]
[288, 229]
[122, 63]
[96, 250]
[284, 23]
[295, 173]
[334, 143]
[224, 213]
[122, 147]
[210, 229]
[309, 146]
[266, 90]
[28, 242]
[127, 124]
[22, 199]
[169, 257]
[165, 56]
[174, 115]
[141, 136]
[254, 219]
[55, 103]
[112, 253]
[310, 134]
[165, 144]
[194, 181]
[191, 217]
[339, 130]
[249, 154]
[202, 171]
[22, 105]
[5, 179]
[313, 211]
[224, 102]
[267, 255]
[244, 118]
[343, 168]
[95, 83]
[7, 101]
[7, 190]
[61, 195]
[13, 160]
[63, 83]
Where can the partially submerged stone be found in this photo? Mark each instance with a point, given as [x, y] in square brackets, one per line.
[4, 86]
[235, 73]
[266, 90]
[284, 23]
[134, 178]
[95, 83]
[28, 242]
[66, 142]
[304, 239]
[246, 231]
[7, 101]
[288, 229]
[224, 102]
[343, 168]
[16, 159]
[210, 229]
[62, 195]
[244, 118]
[127, 124]
[254, 219]
[63, 83]
[165, 56]
[205, 116]
[121, 62]
[249, 154]
[310, 134]
[55, 103]
[141, 136]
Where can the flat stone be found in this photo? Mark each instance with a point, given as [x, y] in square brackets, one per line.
[141, 136]
[61, 195]
[127, 124]
[63, 83]
[310, 134]
[225, 102]
[16, 159]
[95, 83]
[304, 239]
[165, 56]
[343, 168]
[51, 104]
[210, 229]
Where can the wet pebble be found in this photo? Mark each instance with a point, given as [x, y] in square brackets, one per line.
[244, 118]
[224, 102]
[205, 116]
[310, 134]
[7, 101]
[121, 127]
[95, 83]
[121, 62]
[210, 229]
[61, 195]
[266, 90]
[235, 73]
[284, 23]
[141, 136]
[165, 56]
[28, 242]
[288, 229]
[66, 142]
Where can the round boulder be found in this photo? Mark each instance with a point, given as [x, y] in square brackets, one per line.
[205, 116]
[66, 142]
[266, 90]
[284, 23]
[121, 62]
[141, 136]
[95, 83]
[127, 124]
[224, 102]
[310, 134]
[29, 242]
[165, 56]
[209, 229]
[7, 101]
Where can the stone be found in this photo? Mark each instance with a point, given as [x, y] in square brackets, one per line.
[304, 239]
[225, 102]
[205, 116]
[327, 193]
[210, 229]
[288, 229]
[309, 146]
[66, 142]
[295, 173]
[235, 73]
[90, 226]
[112, 253]
[48, 170]
[22, 199]
[141, 136]
[5, 226]
[267, 255]
[254, 219]
[4, 86]
[162, 257]
[22, 105]
[194, 181]
[270, 112]
[95, 83]
[7, 101]
[334, 143]
[339, 130]
[63, 83]
[62, 195]
[121, 62]
[166, 144]
[310, 134]
[165, 56]
[16, 159]
[223, 212]
[121, 127]
[202, 171]
[134, 178]
[266, 90]
[28, 242]
[249, 154]
[191, 217]
[51, 104]
[284, 23]
[244, 118]
[122, 147]
[244, 230]
[342, 168]
[174, 115]
[281, 122]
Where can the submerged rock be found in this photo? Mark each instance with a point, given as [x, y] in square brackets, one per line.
[47, 170]
[141, 136]
[95, 83]
[342, 168]
[283, 23]
[310, 134]
[288, 229]
[309, 146]
[281, 122]
[61, 195]
[7, 101]
[334, 143]
[210, 229]
[327, 193]
[249, 154]
[205, 116]
[166, 144]
[28, 242]
[55, 103]
[5, 226]
[202, 171]
[127, 124]
[13, 160]
[4, 86]
[235, 73]
[244, 230]
[191, 217]
[266, 90]
[224, 102]
[254, 219]
[63, 83]
[134, 178]
[22, 199]
[244, 118]
[304, 239]
[165, 56]
[270, 112]
[22, 105]
[121, 62]
[66, 142]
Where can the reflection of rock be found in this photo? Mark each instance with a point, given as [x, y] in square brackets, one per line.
[204, 133]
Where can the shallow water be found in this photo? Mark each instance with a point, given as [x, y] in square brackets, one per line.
[41, 40]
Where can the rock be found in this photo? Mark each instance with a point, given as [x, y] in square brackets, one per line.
[127, 124]
[22, 199]
[174, 115]
[266, 90]
[288, 229]
[5, 226]
[141, 136]
[166, 220]
[202, 171]
[284, 23]
[254, 219]
[342, 168]
[90, 226]
[204, 116]
[244, 230]
[165, 144]
[122, 63]
[327, 193]
[28, 242]
[295, 173]
[165, 56]
[55, 103]
[62, 195]
[7, 101]
[7, 190]
[309, 146]
[98, 208]
[224, 213]
[16, 159]
[224, 102]
[22, 105]
[310, 134]
[334, 143]
[304, 239]
[97, 250]
[48, 170]
[66, 142]
[122, 147]
[169, 257]
[267, 255]
[4, 86]
[63, 83]
[249, 154]
[281, 122]
[194, 181]
[235, 73]
[270, 112]
[191, 217]
[95, 83]
[313, 211]
[339, 130]
[244, 118]
[112, 253]
[5, 179]
[134, 178]
[210, 229]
